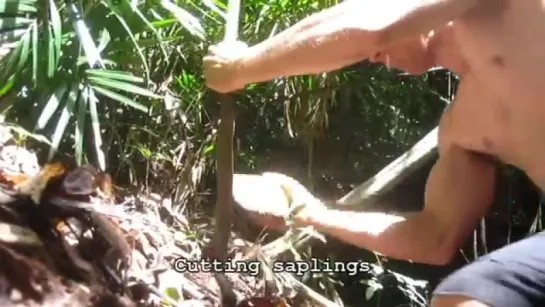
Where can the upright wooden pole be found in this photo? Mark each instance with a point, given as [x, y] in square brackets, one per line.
[224, 168]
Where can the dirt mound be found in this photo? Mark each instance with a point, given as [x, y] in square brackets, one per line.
[69, 237]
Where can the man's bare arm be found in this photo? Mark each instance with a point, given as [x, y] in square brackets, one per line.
[459, 192]
[345, 34]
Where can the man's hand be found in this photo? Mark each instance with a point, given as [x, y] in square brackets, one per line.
[222, 67]
[272, 198]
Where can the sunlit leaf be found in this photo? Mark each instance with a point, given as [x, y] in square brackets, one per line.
[25, 41]
[51, 107]
[173, 293]
[120, 98]
[7, 86]
[25, 133]
[104, 40]
[11, 36]
[124, 86]
[212, 6]
[209, 149]
[57, 30]
[62, 123]
[80, 128]
[17, 6]
[191, 23]
[10, 61]
[35, 51]
[91, 50]
[50, 53]
[7, 23]
[113, 74]
[95, 123]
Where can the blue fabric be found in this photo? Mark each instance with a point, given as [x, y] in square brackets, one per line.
[513, 276]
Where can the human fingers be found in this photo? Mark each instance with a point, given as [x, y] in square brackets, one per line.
[212, 61]
[228, 49]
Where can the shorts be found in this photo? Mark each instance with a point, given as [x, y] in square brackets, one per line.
[513, 276]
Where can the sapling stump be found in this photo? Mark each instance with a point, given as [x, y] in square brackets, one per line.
[224, 169]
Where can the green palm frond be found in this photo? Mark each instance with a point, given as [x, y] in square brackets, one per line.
[79, 63]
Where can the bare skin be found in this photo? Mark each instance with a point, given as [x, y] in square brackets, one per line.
[494, 45]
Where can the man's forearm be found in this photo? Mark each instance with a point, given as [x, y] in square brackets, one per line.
[345, 34]
[413, 236]
[319, 43]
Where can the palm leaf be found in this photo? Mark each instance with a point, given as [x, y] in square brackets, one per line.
[25, 48]
[63, 120]
[35, 52]
[91, 51]
[25, 133]
[11, 36]
[191, 23]
[51, 106]
[95, 122]
[80, 128]
[9, 62]
[127, 28]
[152, 28]
[11, 7]
[56, 26]
[116, 75]
[124, 86]
[7, 23]
[51, 61]
[120, 98]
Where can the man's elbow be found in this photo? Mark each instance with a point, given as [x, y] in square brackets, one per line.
[442, 256]
[444, 251]
[430, 254]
